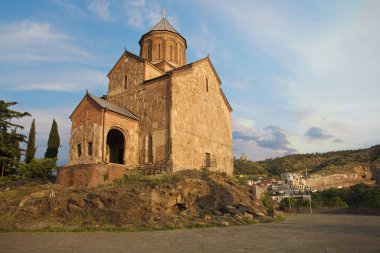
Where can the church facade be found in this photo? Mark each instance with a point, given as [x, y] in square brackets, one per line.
[160, 114]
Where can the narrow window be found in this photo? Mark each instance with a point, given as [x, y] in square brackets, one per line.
[150, 149]
[208, 160]
[179, 54]
[89, 150]
[206, 84]
[125, 82]
[159, 51]
[79, 150]
[171, 52]
[149, 50]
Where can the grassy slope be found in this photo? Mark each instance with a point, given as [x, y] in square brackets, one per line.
[313, 162]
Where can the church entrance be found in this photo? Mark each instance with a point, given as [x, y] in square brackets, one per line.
[115, 146]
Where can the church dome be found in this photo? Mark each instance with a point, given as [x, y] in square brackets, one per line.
[163, 43]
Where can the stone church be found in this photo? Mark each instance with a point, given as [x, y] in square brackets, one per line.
[160, 114]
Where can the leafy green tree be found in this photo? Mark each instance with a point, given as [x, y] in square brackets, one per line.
[53, 142]
[31, 147]
[38, 168]
[9, 138]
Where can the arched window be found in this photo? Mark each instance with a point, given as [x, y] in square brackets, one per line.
[89, 149]
[79, 150]
[159, 51]
[171, 53]
[115, 143]
[150, 149]
[149, 46]
[206, 84]
[125, 82]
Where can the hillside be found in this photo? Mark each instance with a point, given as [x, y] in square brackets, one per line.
[182, 199]
[329, 163]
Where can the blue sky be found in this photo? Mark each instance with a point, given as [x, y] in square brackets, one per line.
[301, 76]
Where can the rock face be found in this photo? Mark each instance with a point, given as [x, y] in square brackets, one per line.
[344, 176]
[175, 200]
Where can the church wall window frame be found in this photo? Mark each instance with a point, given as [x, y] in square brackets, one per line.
[207, 160]
[79, 150]
[90, 148]
[149, 46]
[171, 53]
[125, 82]
[159, 51]
[150, 148]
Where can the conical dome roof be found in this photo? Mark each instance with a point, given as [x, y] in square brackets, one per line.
[163, 25]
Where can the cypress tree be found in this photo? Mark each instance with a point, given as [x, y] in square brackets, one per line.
[31, 147]
[53, 142]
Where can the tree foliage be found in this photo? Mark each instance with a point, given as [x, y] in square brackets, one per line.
[356, 196]
[53, 142]
[31, 147]
[9, 137]
[38, 168]
[242, 166]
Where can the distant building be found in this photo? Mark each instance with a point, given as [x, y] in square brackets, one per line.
[243, 157]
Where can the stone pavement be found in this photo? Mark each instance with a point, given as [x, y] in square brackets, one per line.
[298, 233]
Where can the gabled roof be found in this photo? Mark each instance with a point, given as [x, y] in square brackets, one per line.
[113, 107]
[163, 25]
[109, 106]
[190, 65]
[136, 57]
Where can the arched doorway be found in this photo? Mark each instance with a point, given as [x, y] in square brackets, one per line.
[115, 145]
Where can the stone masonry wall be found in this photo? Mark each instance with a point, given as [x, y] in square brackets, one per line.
[89, 175]
[200, 121]
[149, 101]
[86, 127]
[151, 72]
[130, 129]
[161, 42]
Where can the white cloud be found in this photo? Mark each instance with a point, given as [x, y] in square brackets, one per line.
[101, 8]
[72, 81]
[203, 43]
[260, 143]
[331, 63]
[69, 7]
[36, 41]
[141, 12]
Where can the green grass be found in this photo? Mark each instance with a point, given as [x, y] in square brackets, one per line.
[134, 229]
[153, 179]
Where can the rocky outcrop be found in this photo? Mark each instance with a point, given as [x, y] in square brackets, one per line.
[172, 200]
[344, 176]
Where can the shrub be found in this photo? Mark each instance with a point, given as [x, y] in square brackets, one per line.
[267, 201]
[38, 168]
